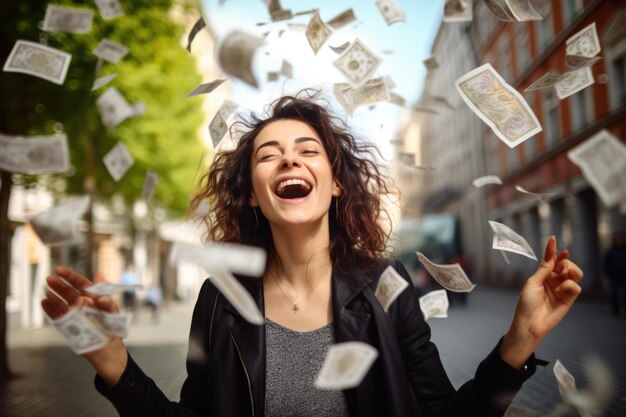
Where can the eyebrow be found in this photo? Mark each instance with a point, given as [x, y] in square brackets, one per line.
[275, 142]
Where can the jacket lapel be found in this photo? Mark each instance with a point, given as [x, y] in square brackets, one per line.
[350, 324]
[249, 340]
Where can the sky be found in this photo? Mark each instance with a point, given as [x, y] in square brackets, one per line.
[402, 46]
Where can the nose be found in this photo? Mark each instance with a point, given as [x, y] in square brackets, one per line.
[290, 160]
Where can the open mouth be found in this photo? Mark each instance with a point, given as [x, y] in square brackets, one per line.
[293, 188]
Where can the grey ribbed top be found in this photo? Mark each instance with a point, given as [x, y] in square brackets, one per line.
[293, 360]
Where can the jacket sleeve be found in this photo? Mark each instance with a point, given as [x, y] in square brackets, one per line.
[137, 395]
[488, 394]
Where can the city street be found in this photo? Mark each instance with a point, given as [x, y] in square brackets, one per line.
[52, 381]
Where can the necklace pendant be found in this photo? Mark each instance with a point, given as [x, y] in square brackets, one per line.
[295, 308]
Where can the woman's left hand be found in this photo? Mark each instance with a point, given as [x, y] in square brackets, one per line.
[545, 299]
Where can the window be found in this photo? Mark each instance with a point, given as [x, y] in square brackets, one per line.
[521, 46]
[614, 51]
[504, 56]
[571, 8]
[578, 110]
[619, 75]
[544, 27]
[552, 124]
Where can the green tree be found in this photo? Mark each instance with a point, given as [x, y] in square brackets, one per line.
[158, 71]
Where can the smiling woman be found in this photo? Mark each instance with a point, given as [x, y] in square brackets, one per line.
[299, 131]
[299, 185]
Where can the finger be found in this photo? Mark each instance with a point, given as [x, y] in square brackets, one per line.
[77, 281]
[107, 304]
[54, 306]
[547, 264]
[68, 293]
[572, 271]
[570, 290]
[563, 256]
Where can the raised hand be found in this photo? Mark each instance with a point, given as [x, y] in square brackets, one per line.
[544, 300]
[109, 361]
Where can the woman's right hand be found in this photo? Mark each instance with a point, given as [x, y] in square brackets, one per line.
[109, 361]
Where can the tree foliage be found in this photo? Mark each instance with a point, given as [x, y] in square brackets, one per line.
[157, 70]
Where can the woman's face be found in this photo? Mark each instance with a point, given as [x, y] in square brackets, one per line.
[292, 180]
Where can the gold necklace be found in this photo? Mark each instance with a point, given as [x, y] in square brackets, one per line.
[295, 307]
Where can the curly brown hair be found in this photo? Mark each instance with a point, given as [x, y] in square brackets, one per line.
[358, 239]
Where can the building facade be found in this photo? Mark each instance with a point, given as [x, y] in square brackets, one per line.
[522, 52]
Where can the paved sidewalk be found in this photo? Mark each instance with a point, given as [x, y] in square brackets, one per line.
[54, 382]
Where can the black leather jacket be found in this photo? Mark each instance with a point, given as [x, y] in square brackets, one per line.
[226, 361]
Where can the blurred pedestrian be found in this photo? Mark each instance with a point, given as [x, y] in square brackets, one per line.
[129, 278]
[154, 298]
[615, 267]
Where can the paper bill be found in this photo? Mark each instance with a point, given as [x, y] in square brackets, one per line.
[522, 10]
[38, 60]
[500, 9]
[114, 108]
[110, 51]
[566, 381]
[576, 61]
[238, 259]
[345, 365]
[499, 105]
[434, 304]
[297, 27]
[102, 81]
[451, 277]
[357, 63]
[431, 63]
[540, 196]
[197, 27]
[109, 288]
[391, 11]
[389, 83]
[113, 324]
[339, 49]
[82, 335]
[238, 296]
[34, 154]
[516, 410]
[505, 238]
[373, 91]
[118, 160]
[138, 109]
[505, 258]
[602, 160]
[584, 43]
[457, 11]
[397, 99]
[487, 179]
[574, 82]
[227, 108]
[286, 69]
[281, 15]
[65, 19]
[420, 109]
[273, 76]
[60, 223]
[342, 19]
[205, 88]
[547, 80]
[217, 129]
[440, 101]
[109, 9]
[390, 286]
[149, 185]
[599, 392]
[317, 32]
[236, 54]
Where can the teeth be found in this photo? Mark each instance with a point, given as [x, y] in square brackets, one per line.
[285, 183]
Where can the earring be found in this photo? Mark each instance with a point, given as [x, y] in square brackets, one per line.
[256, 217]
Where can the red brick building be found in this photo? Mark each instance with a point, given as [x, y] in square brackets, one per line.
[522, 52]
